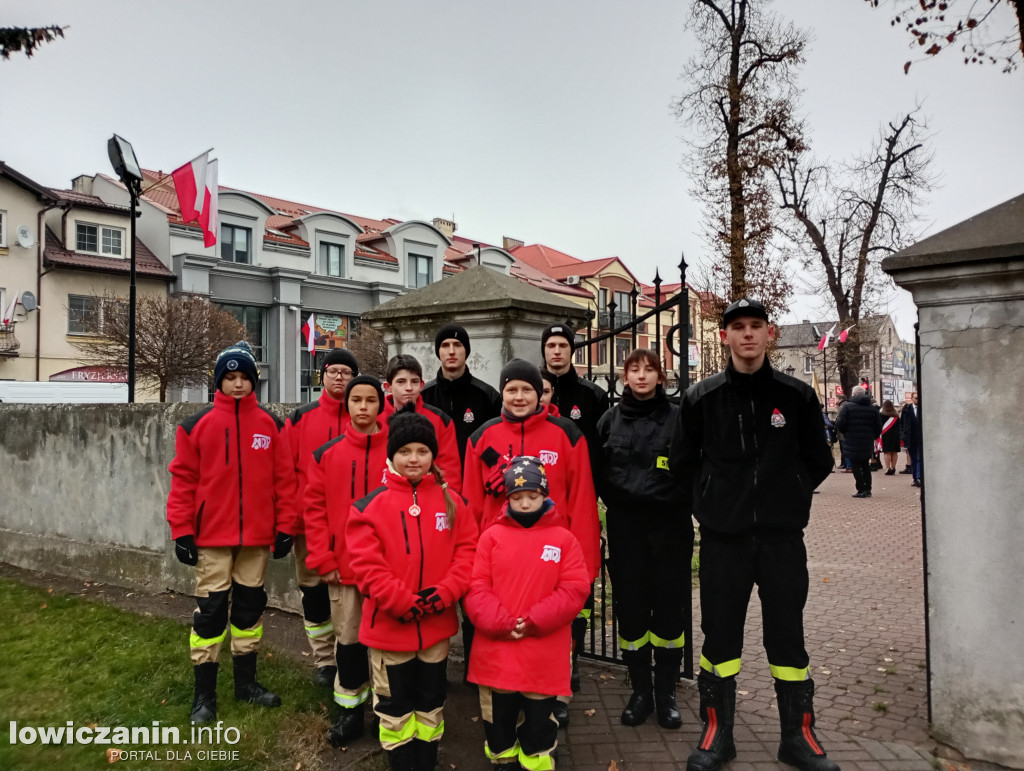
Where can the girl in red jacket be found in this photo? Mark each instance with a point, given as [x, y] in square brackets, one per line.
[411, 547]
[529, 582]
[232, 495]
[341, 472]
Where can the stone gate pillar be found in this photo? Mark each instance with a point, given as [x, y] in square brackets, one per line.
[968, 284]
[503, 316]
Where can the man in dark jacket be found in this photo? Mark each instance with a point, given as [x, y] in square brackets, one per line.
[860, 423]
[910, 433]
[582, 402]
[749, 449]
[467, 400]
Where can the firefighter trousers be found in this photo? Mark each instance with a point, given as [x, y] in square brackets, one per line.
[649, 555]
[529, 740]
[409, 689]
[729, 569]
[316, 606]
[229, 587]
[352, 683]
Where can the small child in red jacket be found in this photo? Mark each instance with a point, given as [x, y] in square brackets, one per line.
[530, 580]
[233, 494]
[411, 549]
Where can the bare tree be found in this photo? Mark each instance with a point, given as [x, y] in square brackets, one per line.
[177, 339]
[370, 350]
[845, 218]
[741, 112]
[988, 31]
[27, 39]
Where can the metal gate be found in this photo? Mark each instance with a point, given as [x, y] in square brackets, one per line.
[602, 638]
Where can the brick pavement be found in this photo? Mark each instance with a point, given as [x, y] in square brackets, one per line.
[865, 635]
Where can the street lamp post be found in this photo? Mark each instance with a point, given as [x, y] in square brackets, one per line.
[126, 166]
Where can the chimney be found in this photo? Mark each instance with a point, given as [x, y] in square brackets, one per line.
[508, 244]
[445, 226]
[82, 184]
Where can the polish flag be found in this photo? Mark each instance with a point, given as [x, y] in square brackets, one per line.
[309, 333]
[208, 219]
[845, 333]
[825, 338]
[189, 183]
[9, 312]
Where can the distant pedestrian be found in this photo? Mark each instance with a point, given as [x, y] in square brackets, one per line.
[890, 439]
[860, 425]
[910, 431]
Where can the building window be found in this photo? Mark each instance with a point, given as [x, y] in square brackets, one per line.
[580, 354]
[3, 228]
[602, 353]
[235, 244]
[332, 259]
[420, 270]
[254, 319]
[83, 314]
[808, 365]
[623, 345]
[96, 239]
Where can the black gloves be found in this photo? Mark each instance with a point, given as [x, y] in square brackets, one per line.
[412, 614]
[430, 601]
[282, 545]
[185, 550]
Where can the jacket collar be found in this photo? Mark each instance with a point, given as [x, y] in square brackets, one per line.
[359, 439]
[759, 377]
[331, 405]
[568, 379]
[462, 381]
[529, 422]
[222, 401]
[399, 483]
[550, 517]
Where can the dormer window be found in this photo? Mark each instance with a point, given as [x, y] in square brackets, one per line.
[98, 239]
[332, 259]
[235, 244]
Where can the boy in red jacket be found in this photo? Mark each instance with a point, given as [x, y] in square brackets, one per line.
[529, 582]
[232, 496]
[404, 379]
[310, 426]
[411, 544]
[341, 472]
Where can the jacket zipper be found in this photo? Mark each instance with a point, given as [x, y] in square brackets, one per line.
[522, 439]
[419, 525]
[753, 420]
[238, 431]
[405, 532]
[366, 469]
[353, 481]
[743, 441]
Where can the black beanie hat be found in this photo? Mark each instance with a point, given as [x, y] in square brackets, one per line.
[526, 472]
[520, 369]
[562, 330]
[236, 358]
[743, 308]
[406, 427]
[339, 356]
[449, 332]
[369, 380]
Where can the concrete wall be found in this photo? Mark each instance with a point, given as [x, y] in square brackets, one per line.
[83, 494]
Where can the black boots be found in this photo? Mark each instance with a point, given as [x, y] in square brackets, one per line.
[718, 712]
[403, 757]
[561, 713]
[204, 703]
[579, 639]
[641, 701]
[246, 687]
[324, 676]
[666, 674]
[347, 728]
[425, 754]
[799, 746]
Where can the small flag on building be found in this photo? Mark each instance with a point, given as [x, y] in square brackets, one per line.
[845, 333]
[309, 333]
[195, 184]
[825, 339]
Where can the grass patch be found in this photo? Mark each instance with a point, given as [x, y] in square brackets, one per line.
[880, 706]
[69, 659]
[881, 689]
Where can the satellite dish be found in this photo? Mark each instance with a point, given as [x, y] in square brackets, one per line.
[25, 236]
[28, 301]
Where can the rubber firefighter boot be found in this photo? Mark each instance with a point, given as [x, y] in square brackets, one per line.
[402, 757]
[425, 754]
[204, 703]
[718, 713]
[666, 674]
[347, 728]
[799, 746]
[641, 701]
[246, 687]
[324, 676]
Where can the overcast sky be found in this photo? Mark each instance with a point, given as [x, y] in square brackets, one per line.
[548, 121]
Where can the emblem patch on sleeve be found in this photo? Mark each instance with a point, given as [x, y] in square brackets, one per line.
[778, 419]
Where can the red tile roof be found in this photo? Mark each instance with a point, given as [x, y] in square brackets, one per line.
[542, 257]
[75, 198]
[146, 263]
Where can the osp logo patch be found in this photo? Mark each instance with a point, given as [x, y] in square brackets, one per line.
[551, 554]
[548, 457]
[441, 521]
[260, 442]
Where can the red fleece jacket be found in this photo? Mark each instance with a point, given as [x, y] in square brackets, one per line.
[309, 427]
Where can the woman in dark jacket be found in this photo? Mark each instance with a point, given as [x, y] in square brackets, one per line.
[649, 542]
[860, 424]
[890, 439]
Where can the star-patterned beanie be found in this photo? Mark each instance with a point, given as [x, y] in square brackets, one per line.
[526, 472]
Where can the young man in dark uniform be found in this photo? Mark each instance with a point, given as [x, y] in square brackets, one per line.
[581, 402]
[749, 449]
[467, 400]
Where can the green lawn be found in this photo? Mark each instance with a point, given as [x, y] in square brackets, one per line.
[67, 659]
